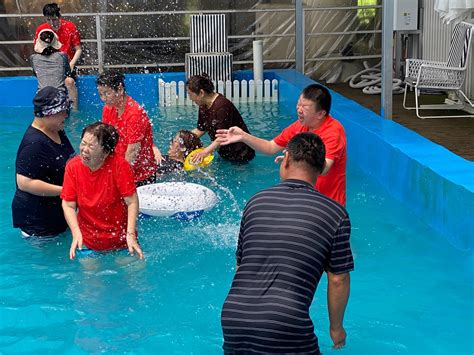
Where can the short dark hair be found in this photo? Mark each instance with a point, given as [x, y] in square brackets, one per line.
[51, 10]
[197, 83]
[106, 134]
[307, 148]
[319, 95]
[111, 78]
[190, 141]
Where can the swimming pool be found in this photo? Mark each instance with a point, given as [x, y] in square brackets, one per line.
[412, 292]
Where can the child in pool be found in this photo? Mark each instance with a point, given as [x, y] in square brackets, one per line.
[182, 144]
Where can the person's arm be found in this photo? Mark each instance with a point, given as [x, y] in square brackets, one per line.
[37, 187]
[132, 152]
[157, 154]
[198, 132]
[236, 134]
[132, 209]
[199, 156]
[327, 166]
[75, 58]
[69, 208]
[337, 297]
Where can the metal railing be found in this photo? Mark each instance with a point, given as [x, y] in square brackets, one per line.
[300, 34]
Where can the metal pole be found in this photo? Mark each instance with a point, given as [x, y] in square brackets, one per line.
[100, 53]
[299, 36]
[387, 58]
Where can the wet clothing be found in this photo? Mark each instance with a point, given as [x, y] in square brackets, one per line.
[222, 115]
[169, 166]
[134, 127]
[289, 235]
[102, 211]
[332, 133]
[41, 158]
[67, 34]
[50, 70]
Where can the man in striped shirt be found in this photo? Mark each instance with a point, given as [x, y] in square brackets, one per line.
[289, 235]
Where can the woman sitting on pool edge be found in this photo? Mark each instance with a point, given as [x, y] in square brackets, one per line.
[101, 186]
[181, 145]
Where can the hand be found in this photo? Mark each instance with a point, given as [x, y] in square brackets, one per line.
[198, 157]
[71, 66]
[158, 157]
[76, 244]
[338, 336]
[229, 136]
[133, 245]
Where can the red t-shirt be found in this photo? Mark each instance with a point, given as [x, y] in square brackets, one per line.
[333, 136]
[67, 34]
[99, 195]
[134, 127]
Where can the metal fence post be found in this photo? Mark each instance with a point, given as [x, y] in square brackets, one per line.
[299, 36]
[387, 59]
[100, 53]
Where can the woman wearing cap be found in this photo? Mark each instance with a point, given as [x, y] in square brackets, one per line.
[40, 162]
[49, 65]
[101, 186]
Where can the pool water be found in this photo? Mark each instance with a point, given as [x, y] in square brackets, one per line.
[411, 291]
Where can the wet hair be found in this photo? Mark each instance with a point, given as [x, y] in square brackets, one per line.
[107, 135]
[51, 10]
[319, 95]
[197, 83]
[189, 142]
[307, 148]
[112, 79]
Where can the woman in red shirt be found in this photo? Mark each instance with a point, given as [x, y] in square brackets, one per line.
[101, 186]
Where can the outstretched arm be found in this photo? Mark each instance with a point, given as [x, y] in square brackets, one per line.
[338, 295]
[236, 134]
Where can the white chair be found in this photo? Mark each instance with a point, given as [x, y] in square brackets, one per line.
[442, 76]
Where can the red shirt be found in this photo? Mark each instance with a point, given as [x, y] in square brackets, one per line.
[99, 195]
[333, 184]
[67, 34]
[134, 127]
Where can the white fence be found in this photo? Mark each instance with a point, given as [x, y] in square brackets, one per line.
[173, 94]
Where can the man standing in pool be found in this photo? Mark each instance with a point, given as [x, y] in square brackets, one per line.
[289, 235]
[313, 109]
[133, 125]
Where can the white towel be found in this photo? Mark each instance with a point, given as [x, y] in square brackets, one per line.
[454, 10]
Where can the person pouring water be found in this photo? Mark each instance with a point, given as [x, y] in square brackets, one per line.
[216, 112]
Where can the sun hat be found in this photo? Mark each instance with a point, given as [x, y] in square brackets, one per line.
[45, 40]
[50, 100]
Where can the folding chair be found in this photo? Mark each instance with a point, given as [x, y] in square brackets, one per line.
[442, 76]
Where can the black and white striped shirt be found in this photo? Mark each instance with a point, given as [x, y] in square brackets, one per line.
[289, 234]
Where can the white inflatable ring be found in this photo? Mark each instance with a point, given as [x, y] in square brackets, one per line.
[182, 200]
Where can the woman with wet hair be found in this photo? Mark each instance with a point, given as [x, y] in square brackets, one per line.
[216, 112]
[181, 145]
[100, 185]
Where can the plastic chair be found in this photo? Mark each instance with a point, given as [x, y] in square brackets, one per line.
[442, 76]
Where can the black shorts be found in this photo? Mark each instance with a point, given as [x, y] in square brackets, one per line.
[73, 74]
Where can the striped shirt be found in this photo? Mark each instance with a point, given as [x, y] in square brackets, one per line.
[289, 234]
